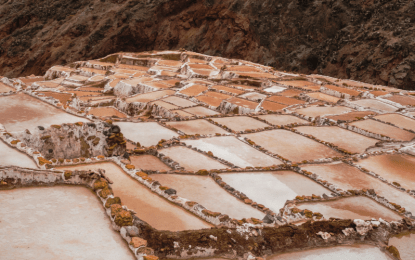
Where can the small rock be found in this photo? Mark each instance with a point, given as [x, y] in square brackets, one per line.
[41, 128]
[324, 235]
[137, 242]
[268, 219]
[171, 191]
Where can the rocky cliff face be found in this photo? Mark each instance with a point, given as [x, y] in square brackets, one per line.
[366, 40]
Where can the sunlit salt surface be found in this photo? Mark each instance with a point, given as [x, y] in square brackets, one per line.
[208, 193]
[147, 134]
[375, 104]
[199, 126]
[283, 119]
[352, 208]
[191, 160]
[398, 120]
[351, 141]
[314, 111]
[10, 156]
[398, 168]
[347, 177]
[148, 162]
[150, 207]
[60, 222]
[233, 150]
[357, 252]
[290, 145]
[273, 189]
[20, 112]
[240, 123]
[405, 245]
[384, 129]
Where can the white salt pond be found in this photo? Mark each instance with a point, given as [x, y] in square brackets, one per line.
[10, 156]
[405, 245]
[231, 149]
[356, 252]
[20, 112]
[352, 208]
[150, 207]
[208, 193]
[191, 160]
[273, 189]
[62, 222]
[147, 134]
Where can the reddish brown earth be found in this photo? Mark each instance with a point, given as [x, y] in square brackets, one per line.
[370, 41]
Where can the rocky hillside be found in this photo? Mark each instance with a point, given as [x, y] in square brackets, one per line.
[366, 40]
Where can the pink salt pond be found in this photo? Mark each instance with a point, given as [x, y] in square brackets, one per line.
[147, 134]
[273, 189]
[240, 123]
[384, 129]
[201, 111]
[148, 162]
[180, 102]
[398, 168]
[398, 120]
[405, 244]
[63, 222]
[150, 207]
[292, 146]
[323, 97]
[4, 88]
[352, 208]
[191, 160]
[347, 177]
[356, 252]
[20, 112]
[375, 104]
[348, 140]
[106, 112]
[233, 150]
[209, 194]
[315, 111]
[198, 126]
[283, 119]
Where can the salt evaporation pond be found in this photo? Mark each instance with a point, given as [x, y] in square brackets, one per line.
[405, 245]
[393, 167]
[10, 156]
[63, 222]
[351, 208]
[283, 119]
[150, 207]
[208, 193]
[273, 189]
[240, 123]
[233, 150]
[148, 162]
[20, 112]
[199, 126]
[356, 252]
[147, 134]
[191, 160]
[347, 177]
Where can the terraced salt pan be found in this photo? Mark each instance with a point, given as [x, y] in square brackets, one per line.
[147, 134]
[356, 252]
[199, 126]
[182, 113]
[211, 101]
[323, 97]
[228, 89]
[405, 245]
[283, 119]
[106, 112]
[393, 167]
[315, 111]
[150, 207]
[274, 89]
[291, 92]
[352, 116]
[398, 120]
[147, 97]
[231, 149]
[384, 129]
[403, 100]
[285, 100]
[347, 177]
[191, 160]
[375, 104]
[20, 112]
[348, 140]
[201, 111]
[61, 222]
[208, 193]
[181, 102]
[273, 189]
[351, 92]
[292, 146]
[352, 208]
[148, 162]
[165, 105]
[194, 90]
[254, 96]
[10, 156]
[272, 106]
[240, 123]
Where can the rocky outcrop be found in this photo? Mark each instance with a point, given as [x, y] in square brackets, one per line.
[369, 41]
